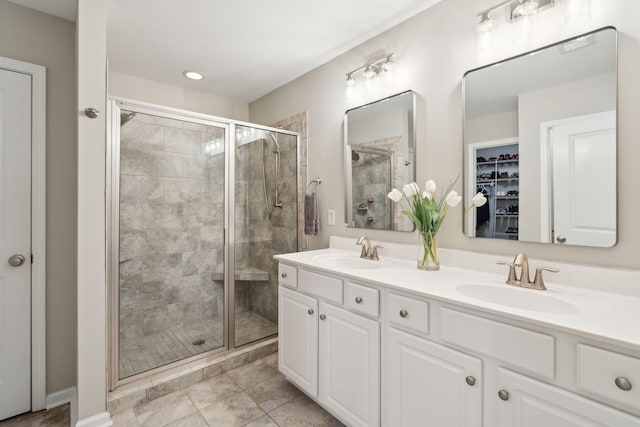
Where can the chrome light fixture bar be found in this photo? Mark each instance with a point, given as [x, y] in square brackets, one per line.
[517, 9]
[372, 69]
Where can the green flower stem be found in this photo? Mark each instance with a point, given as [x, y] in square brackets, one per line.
[430, 248]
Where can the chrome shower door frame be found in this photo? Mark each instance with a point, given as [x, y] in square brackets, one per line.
[114, 107]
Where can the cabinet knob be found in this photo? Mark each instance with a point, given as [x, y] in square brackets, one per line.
[561, 239]
[503, 394]
[322, 317]
[358, 300]
[283, 275]
[310, 311]
[623, 383]
[470, 380]
[404, 313]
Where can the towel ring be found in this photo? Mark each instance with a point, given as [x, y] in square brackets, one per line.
[316, 181]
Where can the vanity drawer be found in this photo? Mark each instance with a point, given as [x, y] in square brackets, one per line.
[287, 275]
[326, 287]
[408, 312]
[516, 346]
[608, 374]
[362, 298]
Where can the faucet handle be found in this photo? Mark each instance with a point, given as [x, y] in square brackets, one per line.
[511, 278]
[538, 282]
[374, 253]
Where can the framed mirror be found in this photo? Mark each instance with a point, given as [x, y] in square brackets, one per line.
[540, 142]
[379, 141]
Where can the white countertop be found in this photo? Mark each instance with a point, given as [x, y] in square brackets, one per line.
[612, 316]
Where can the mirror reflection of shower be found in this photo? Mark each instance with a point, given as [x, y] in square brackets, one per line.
[251, 136]
[126, 116]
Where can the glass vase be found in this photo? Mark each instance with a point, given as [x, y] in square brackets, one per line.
[428, 252]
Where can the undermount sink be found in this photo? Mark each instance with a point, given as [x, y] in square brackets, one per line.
[524, 299]
[349, 261]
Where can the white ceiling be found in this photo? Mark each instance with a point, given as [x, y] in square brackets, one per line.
[61, 8]
[245, 48]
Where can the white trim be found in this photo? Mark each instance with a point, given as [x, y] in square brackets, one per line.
[62, 397]
[546, 180]
[103, 419]
[38, 225]
[470, 178]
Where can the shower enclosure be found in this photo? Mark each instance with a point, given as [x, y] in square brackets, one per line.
[199, 205]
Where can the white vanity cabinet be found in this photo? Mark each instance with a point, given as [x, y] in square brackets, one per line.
[329, 351]
[380, 354]
[431, 385]
[525, 402]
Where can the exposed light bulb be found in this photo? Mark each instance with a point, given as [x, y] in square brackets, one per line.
[527, 7]
[369, 73]
[350, 81]
[486, 24]
[388, 65]
[576, 11]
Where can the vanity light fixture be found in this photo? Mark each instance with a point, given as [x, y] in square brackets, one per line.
[193, 75]
[518, 9]
[372, 69]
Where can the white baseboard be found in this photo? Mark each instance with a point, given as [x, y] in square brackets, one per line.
[61, 397]
[103, 419]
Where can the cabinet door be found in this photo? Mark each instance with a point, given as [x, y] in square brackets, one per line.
[531, 403]
[428, 384]
[298, 339]
[350, 366]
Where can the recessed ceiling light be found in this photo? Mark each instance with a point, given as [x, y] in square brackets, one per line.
[193, 75]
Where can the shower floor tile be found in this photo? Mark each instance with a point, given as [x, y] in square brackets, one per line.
[232, 399]
[151, 351]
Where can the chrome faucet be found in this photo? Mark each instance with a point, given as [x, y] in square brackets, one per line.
[523, 280]
[368, 251]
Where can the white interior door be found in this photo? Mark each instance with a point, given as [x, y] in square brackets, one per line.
[15, 243]
[584, 174]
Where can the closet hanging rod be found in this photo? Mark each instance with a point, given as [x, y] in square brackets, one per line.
[316, 181]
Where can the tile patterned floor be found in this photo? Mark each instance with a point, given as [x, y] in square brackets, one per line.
[252, 395]
[56, 417]
[165, 347]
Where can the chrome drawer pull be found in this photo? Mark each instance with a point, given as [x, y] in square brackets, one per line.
[358, 300]
[503, 394]
[623, 383]
[470, 380]
[310, 311]
[283, 275]
[322, 317]
[404, 313]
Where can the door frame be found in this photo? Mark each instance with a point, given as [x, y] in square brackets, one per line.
[470, 176]
[38, 75]
[546, 172]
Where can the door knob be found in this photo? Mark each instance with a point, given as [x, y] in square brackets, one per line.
[16, 260]
[92, 113]
[561, 239]
[503, 394]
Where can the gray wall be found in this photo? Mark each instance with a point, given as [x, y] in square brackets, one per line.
[433, 50]
[43, 39]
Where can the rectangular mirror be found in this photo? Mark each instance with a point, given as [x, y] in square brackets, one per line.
[540, 142]
[379, 140]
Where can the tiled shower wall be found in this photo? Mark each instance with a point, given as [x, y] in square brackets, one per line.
[373, 176]
[171, 225]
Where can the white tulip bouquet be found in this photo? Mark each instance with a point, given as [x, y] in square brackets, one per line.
[427, 214]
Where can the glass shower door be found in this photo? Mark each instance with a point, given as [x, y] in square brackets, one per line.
[171, 240]
[265, 224]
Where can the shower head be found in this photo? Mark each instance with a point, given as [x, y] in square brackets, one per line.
[355, 156]
[126, 116]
